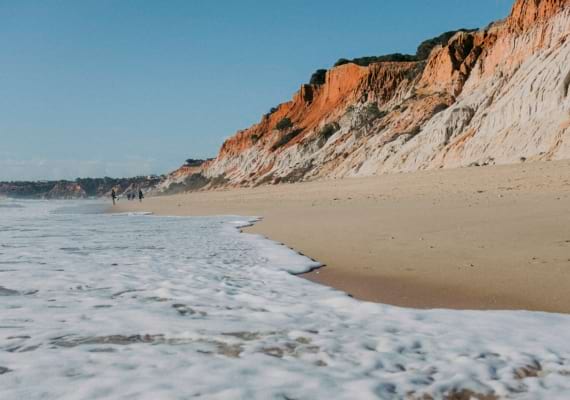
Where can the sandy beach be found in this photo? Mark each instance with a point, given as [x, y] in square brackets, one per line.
[494, 237]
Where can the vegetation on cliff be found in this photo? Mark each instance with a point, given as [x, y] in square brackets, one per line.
[496, 95]
[366, 61]
[422, 53]
[284, 124]
[318, 77]
[79, 188]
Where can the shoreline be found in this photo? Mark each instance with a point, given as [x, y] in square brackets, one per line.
[494, 237]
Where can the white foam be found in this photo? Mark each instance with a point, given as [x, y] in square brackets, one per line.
[132, 213]
[99, 307]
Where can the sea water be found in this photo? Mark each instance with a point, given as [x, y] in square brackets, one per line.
[98, 306]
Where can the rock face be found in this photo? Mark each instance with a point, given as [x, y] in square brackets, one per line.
[187, 177]
[497, 95]
[66, 190]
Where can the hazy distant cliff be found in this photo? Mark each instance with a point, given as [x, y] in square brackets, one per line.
[496, 95]
[78, 189]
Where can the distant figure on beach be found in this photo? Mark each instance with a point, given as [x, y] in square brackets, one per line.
[113, 195]
[140, 195]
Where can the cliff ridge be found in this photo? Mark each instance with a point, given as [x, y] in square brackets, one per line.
[472, 97]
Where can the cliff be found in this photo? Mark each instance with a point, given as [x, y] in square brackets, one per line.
[79, 189]
[496, 95]
[66, 190]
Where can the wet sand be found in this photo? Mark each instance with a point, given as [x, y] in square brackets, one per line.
[493, 237]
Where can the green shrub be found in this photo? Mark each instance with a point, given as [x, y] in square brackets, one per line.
[422, 53]
[271, 111]
[372, 112]
[193, 163]
[329, 130]
[341, 61]
[425, 48]
[318, 77]
[219, 181]
[366, 61]
[439, 108]
[286, 139]
[284, 124]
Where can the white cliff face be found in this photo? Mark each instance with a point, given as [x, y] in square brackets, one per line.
[521, 112]
[495, 96]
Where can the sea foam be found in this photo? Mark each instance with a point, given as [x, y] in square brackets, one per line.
[94, 306]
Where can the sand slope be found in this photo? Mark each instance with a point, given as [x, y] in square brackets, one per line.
[484, 238]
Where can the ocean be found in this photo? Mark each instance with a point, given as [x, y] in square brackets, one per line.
[136, 306]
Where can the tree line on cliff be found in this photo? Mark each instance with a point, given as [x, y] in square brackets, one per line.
[78, 188]
[422, 53]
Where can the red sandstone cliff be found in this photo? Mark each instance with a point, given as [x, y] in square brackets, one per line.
[498, 95]
[526, 13]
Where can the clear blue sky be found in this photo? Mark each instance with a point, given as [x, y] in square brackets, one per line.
[99, 87]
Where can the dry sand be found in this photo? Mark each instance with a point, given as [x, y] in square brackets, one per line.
[479, 238]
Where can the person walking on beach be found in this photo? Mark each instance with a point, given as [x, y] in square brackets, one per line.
[140, 195]
[113, 195]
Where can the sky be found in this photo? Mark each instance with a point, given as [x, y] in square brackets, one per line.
[132, 87]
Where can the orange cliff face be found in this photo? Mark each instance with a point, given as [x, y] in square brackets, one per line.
[310, 105]
[526, 13]
[449, 67]
[314, 105]
[497, 95]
